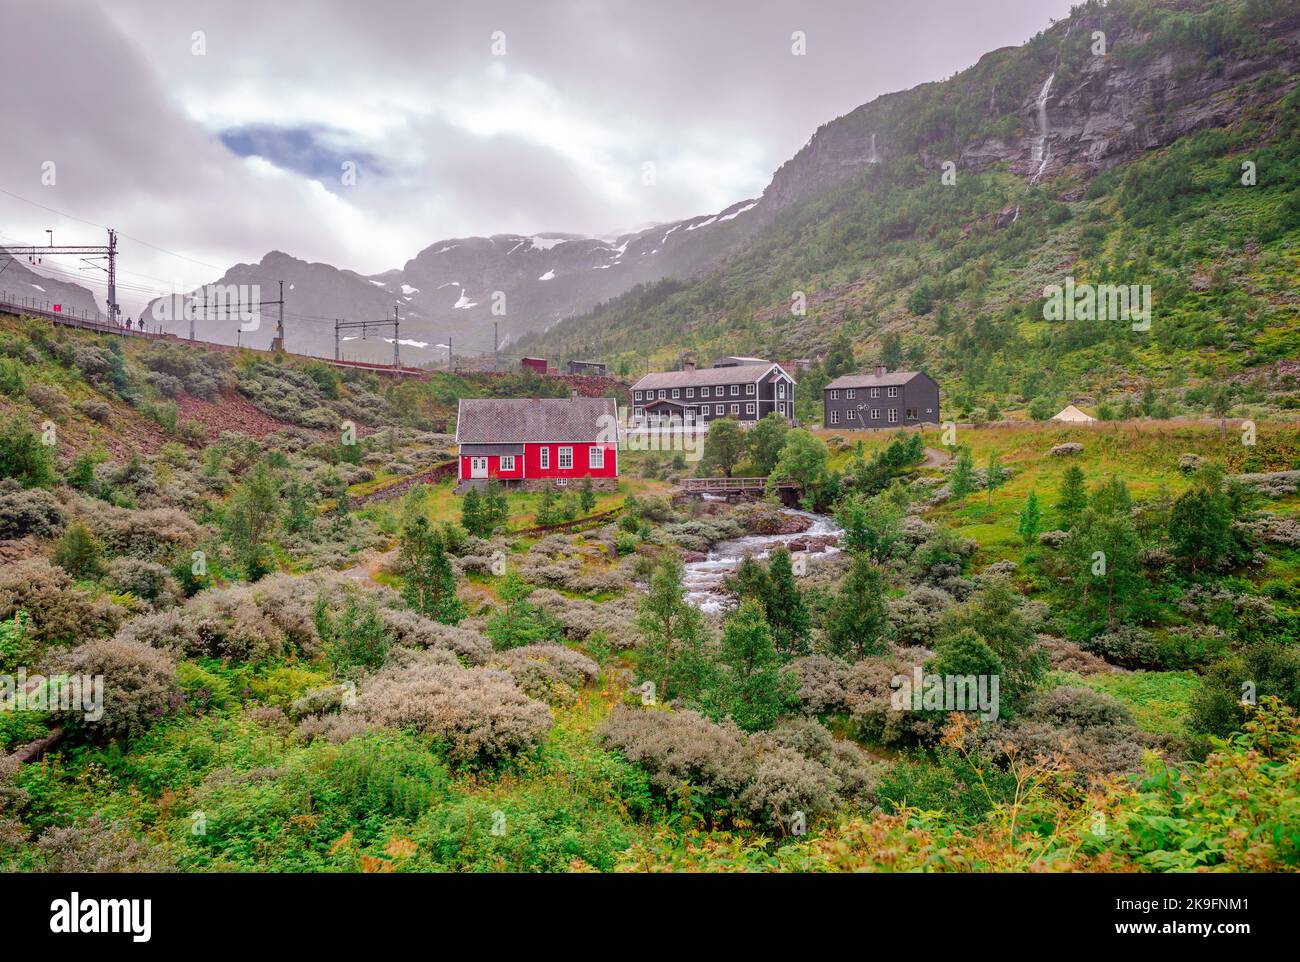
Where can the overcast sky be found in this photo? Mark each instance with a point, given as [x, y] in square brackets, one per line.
[220, 130]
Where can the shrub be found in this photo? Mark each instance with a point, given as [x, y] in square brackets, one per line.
[140, 685]
[95, 409]
[478, 716]
[79, 552]
[1127, 646]
[98, 845]
[28, 512]
[821, 682]
[23, 457]
[57, 611]
[13, 381]
[144, 579]
[550, 673]
[719, 768]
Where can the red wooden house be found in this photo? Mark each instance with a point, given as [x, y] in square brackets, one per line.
[534, 442]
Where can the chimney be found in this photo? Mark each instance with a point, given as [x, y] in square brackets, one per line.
[880, 370]
[688, 362]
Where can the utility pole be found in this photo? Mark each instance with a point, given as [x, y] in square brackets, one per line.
[450, 356]
[397, 341]
[113, 309]
[81, 249]
[336, 340]
[205, 311]
[280, 327]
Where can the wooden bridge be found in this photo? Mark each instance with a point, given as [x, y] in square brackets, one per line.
[734, 489]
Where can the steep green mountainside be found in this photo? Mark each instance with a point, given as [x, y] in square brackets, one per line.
[1142, 183]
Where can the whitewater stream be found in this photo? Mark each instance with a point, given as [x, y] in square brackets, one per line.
[702, 579]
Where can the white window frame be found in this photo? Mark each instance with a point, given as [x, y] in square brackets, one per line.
[751, 388]
[636, 395]
[545, 458]
[663, 395]
[735, 390]
[704, 392]
[638, 413]
[893, 415]
[850, 394]
[677, 392]
[780, 389]
[835, 417]
[749, 407]
[835, 395]
[875, 414]
[875, 392]
[507, 463]
[596, 457]
[690, 392]
[565, 454]
[893, 392]
[561, 482]
[719, 410]
[735, 409]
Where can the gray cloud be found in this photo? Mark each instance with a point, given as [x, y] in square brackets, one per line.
[450, 139]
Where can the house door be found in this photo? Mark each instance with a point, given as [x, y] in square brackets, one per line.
[478, 467]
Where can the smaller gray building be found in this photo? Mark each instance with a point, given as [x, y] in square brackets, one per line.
[881, 400]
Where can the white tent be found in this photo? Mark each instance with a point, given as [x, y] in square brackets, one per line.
[1073, 415]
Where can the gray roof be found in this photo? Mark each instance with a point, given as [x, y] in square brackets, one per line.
[517, 420]
[706, 376]
[483, 450]
[888, 379]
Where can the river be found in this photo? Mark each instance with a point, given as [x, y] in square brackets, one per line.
[702, 579]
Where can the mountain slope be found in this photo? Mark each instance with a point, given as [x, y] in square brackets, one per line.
[457, 288]
[1135, 179]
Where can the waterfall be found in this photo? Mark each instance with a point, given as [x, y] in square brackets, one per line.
[874, 158]
[1042, 151]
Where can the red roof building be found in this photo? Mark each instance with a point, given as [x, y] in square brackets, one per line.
[537, 442]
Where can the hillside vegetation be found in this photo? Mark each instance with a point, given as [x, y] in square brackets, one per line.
[315, 657]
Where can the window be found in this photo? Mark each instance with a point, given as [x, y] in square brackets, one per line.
[893, 392]
[848, 415]
[561, 482]
[719, 409]
[751, 389]
[507, 462]
[704, 392]
[835, 417]
[595, 457]
[911, 414]
[566, 459]
[735, 390]
[875, 392]
[835, 395]
[893, 415]
[677, 392]
[875, 414]
[735, 409]
[780, 389]
[663, 394]
[690, 392]
[850, 394]
[638, 413]
[749, 407]
[546, 458]
[638, 395]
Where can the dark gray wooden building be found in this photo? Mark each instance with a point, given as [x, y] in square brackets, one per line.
[881, 400]
[745, 391]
